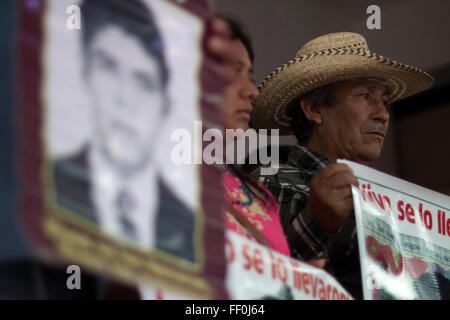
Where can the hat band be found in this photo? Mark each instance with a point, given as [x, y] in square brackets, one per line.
[329, 52]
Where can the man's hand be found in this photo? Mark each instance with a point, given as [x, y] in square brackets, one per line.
[318, 263]
[331, 201]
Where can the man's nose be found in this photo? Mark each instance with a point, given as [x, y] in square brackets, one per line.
[124, 94]
[380, 113]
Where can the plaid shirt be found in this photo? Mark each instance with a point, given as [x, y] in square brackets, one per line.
[307, 239]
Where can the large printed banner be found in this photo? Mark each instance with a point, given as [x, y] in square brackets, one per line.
[255, 272]
[102, 86]
[259, 273]
[403, 236]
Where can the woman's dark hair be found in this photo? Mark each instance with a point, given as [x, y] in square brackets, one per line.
[238, 31]
[132, 16]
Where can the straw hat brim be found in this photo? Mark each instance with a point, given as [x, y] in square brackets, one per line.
[308, 72]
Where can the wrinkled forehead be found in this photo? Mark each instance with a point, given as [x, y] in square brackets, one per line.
[384, 87]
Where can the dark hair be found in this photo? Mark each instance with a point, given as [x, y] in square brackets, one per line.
[238, 31]
[301, 126]
[133, 17]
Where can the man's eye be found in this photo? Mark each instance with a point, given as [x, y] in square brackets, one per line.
[107, 65]
[104, 62]
[145, 82]
[365, 96]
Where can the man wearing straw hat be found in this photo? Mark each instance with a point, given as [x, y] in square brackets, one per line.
[333, 97]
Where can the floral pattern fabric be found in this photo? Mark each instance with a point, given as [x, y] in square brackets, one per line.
[262, 214]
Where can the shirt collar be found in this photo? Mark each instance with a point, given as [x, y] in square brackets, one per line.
[300, 156]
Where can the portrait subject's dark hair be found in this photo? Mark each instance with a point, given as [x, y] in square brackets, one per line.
[132, 16]
[238, 32]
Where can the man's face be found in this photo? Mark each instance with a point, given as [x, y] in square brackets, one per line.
[127, 95]
[240, 94]
[356, 125]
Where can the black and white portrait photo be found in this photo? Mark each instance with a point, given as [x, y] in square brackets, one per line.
[109, 135]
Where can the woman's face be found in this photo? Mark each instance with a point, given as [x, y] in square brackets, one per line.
[240, 93]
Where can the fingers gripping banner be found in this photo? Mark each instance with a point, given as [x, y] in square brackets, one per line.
[403, 237]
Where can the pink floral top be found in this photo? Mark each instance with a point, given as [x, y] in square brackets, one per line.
[263, 214]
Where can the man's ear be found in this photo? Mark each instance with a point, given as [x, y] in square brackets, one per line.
[311, 113]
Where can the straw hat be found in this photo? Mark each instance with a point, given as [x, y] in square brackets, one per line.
[327, 59]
